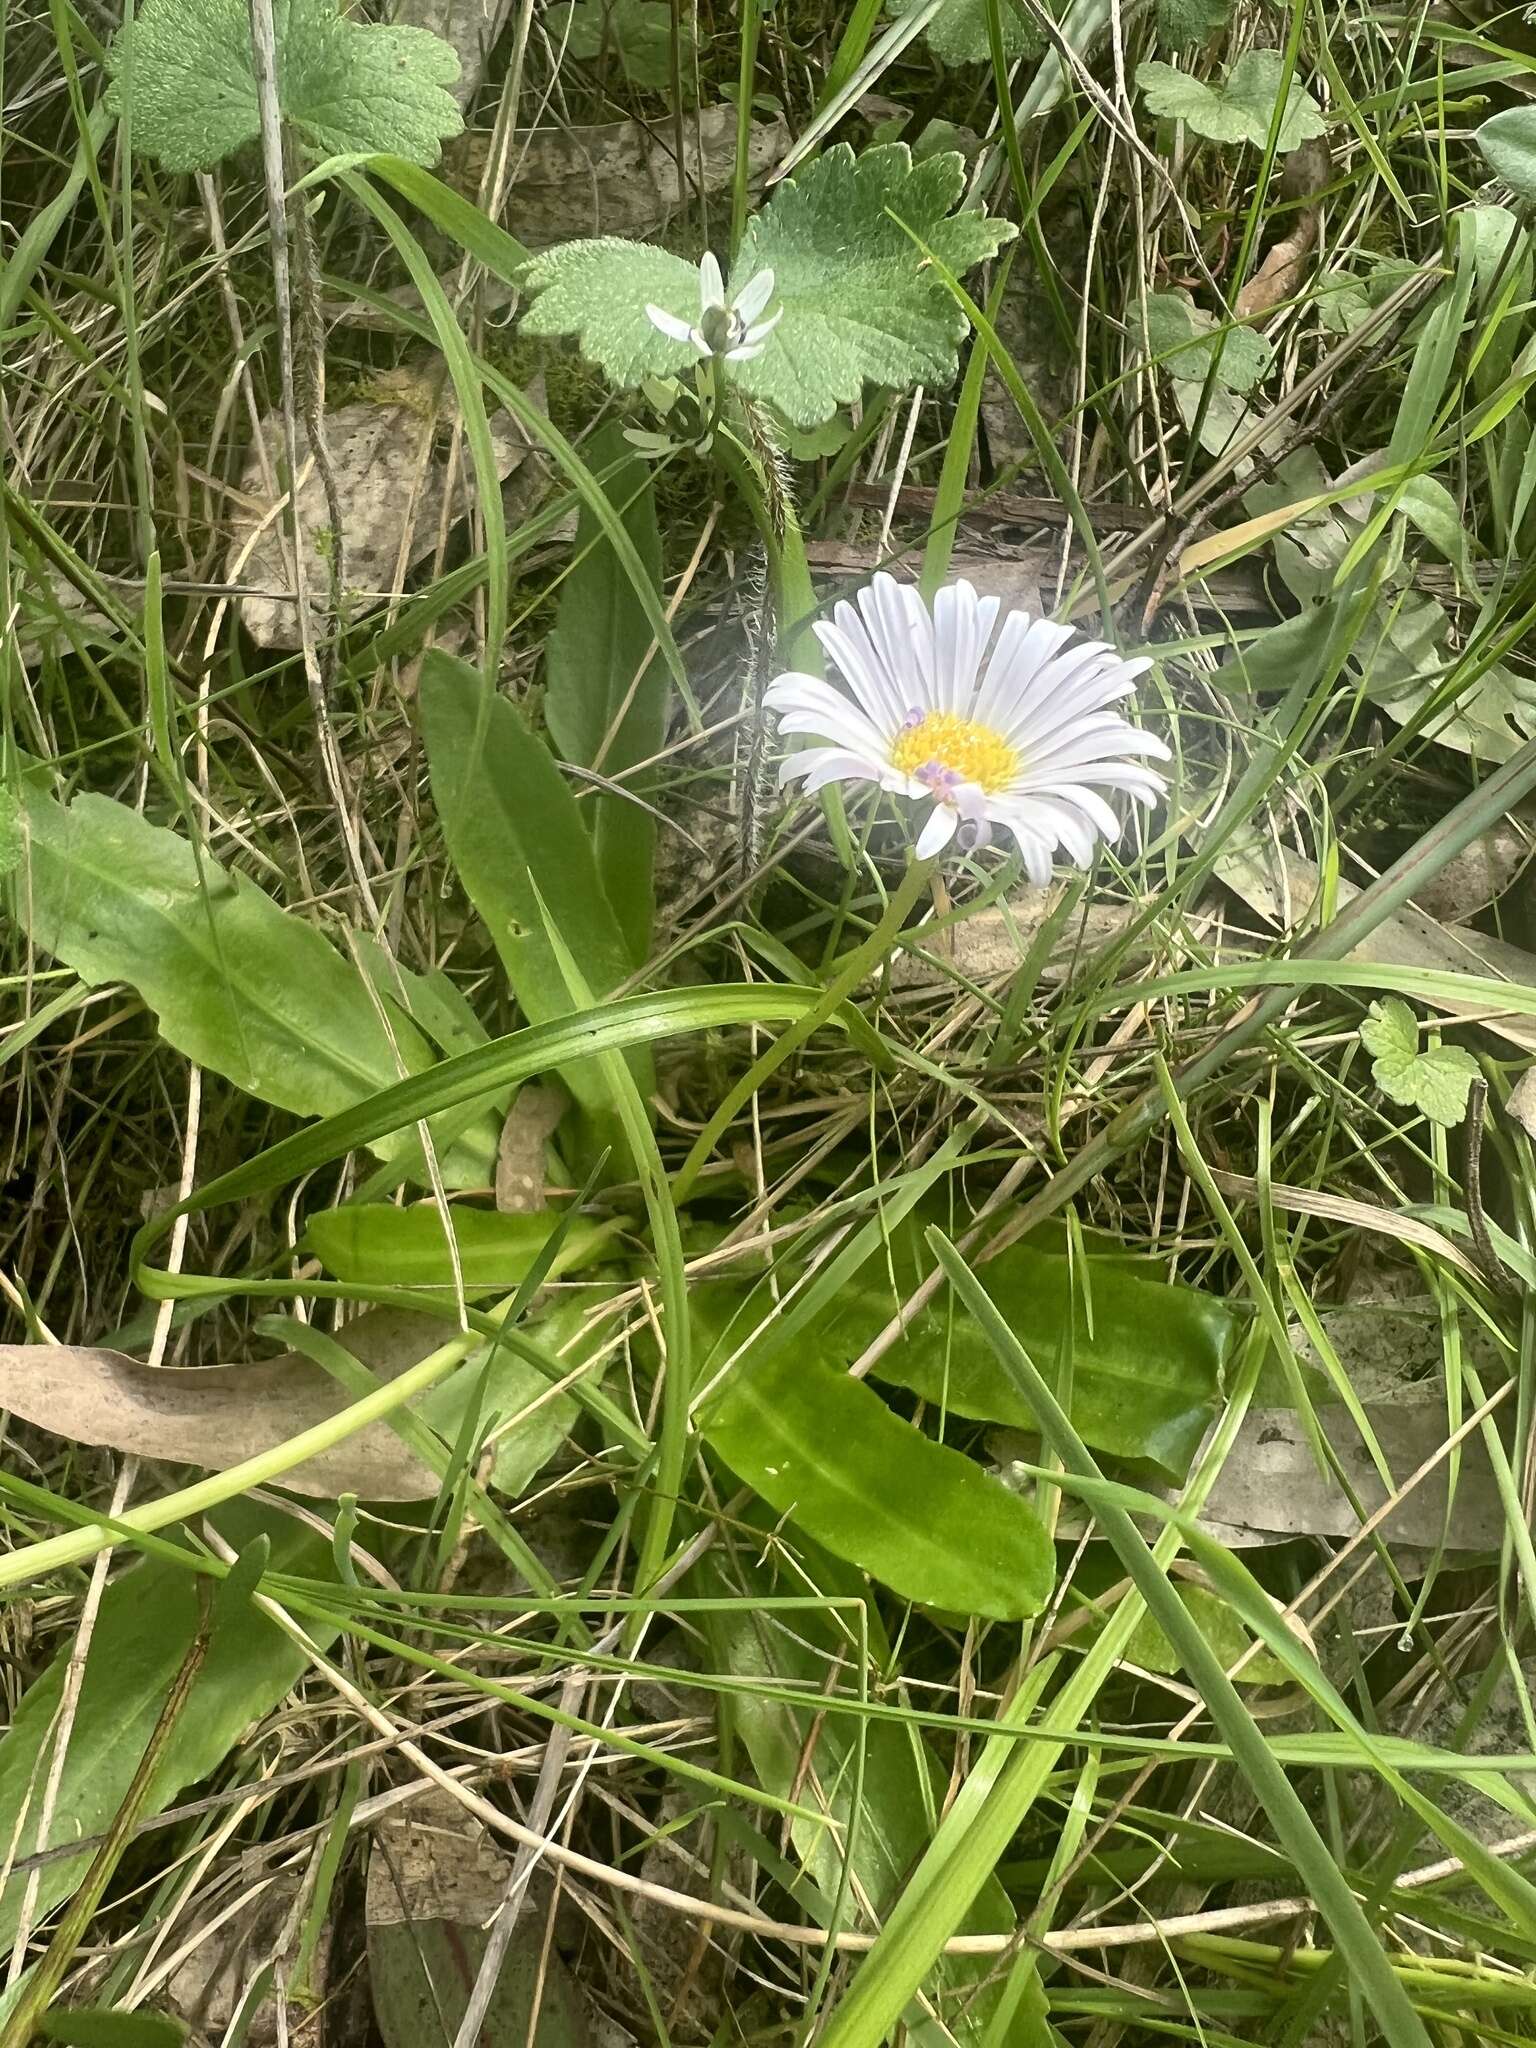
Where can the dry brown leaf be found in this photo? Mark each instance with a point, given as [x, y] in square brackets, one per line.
[217, 1415]
[388, 452]
[990, 945]
[618, 178]
[471, 26]
[1281, 887]
[1270, 1489]
[1278, 277]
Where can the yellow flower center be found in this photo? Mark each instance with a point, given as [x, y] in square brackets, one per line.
[958, 748]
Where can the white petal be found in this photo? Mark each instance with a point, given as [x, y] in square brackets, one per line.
[808, 697]
[962, 625]
[711, 283]
[1054, 821]
[862, 669]
[937, 832]
[901, 633]
[673, 328]
[745, 351]
[1024, 646]
[764, 328]
[753, 296]
[1036, 851]
[818, 766]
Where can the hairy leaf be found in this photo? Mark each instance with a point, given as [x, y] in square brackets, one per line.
[859, 307]
[957, 34]
[1237, 109]
[182, 73]
[1434, 1079]
[1181, 23]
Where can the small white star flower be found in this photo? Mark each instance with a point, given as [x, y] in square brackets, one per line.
[1020, 739]
[726, 327]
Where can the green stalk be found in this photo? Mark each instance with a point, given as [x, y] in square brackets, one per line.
[856, 965]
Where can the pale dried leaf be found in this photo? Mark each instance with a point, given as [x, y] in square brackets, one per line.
[617, 178]
[389, 452]
[217, 1415]
[1281, 887]
[991, 945]
[469, 27]
[1278, 278]
[1522, 1101]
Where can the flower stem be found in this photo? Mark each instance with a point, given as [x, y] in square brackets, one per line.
[855, 966]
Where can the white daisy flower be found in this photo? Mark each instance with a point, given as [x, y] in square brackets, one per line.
[727, 327]
[1021, 739]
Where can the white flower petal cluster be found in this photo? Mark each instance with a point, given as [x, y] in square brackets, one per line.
[727, 327]
[1020, 737]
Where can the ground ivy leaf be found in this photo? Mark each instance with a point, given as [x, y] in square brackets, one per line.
[1240, 107]
[957, 34]
[349, 86]
[1435, 1079]
[1508, 141]
[598, 289]
[1181, 23]
[859, 306]
[1185, 334]
[638, 31]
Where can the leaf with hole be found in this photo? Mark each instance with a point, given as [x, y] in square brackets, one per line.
[183, 77]
[1435, 1079]
[825, 1450]
[1239, 107]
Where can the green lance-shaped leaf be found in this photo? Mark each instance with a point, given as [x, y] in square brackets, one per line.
[605, 700]
[516, 836]
[825, 1450]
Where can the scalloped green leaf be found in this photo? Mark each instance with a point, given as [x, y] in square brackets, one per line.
[598, 290]
[859, 305]
[1434, 1079]
[957, 34]
[182, 71]
[1237, 108]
